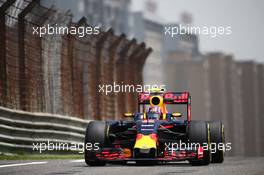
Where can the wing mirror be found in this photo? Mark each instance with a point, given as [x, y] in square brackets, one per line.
[176, 114]
[128, 115]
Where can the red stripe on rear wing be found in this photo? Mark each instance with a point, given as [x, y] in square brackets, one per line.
[168, 97]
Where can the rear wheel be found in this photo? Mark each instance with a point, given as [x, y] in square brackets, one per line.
[199, 133]
[217, 138]
[96, 134]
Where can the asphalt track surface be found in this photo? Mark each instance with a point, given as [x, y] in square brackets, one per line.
[234, 165]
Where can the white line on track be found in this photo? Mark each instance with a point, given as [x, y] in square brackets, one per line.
[22, 164]
[76, 161]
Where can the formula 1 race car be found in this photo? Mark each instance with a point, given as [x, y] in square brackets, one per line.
[154, 135]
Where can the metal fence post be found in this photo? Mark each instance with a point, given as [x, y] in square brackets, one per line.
[133, 74]
[121, 75]
[22, 57]
[113, 52]
[3, 73]
[98, 72]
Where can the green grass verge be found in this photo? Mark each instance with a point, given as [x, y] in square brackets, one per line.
[39, 156]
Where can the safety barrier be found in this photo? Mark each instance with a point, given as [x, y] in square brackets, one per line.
[20, 130]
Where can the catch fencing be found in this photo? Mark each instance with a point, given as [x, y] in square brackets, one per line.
[60, 74]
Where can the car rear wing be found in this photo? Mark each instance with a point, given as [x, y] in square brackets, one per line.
[168, 97]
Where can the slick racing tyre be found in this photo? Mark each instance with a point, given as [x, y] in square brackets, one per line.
[199, 132]
[217, 137]
[95, 135]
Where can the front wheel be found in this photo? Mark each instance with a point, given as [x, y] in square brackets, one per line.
[217, 138]
[199, 133]
[96, 137]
